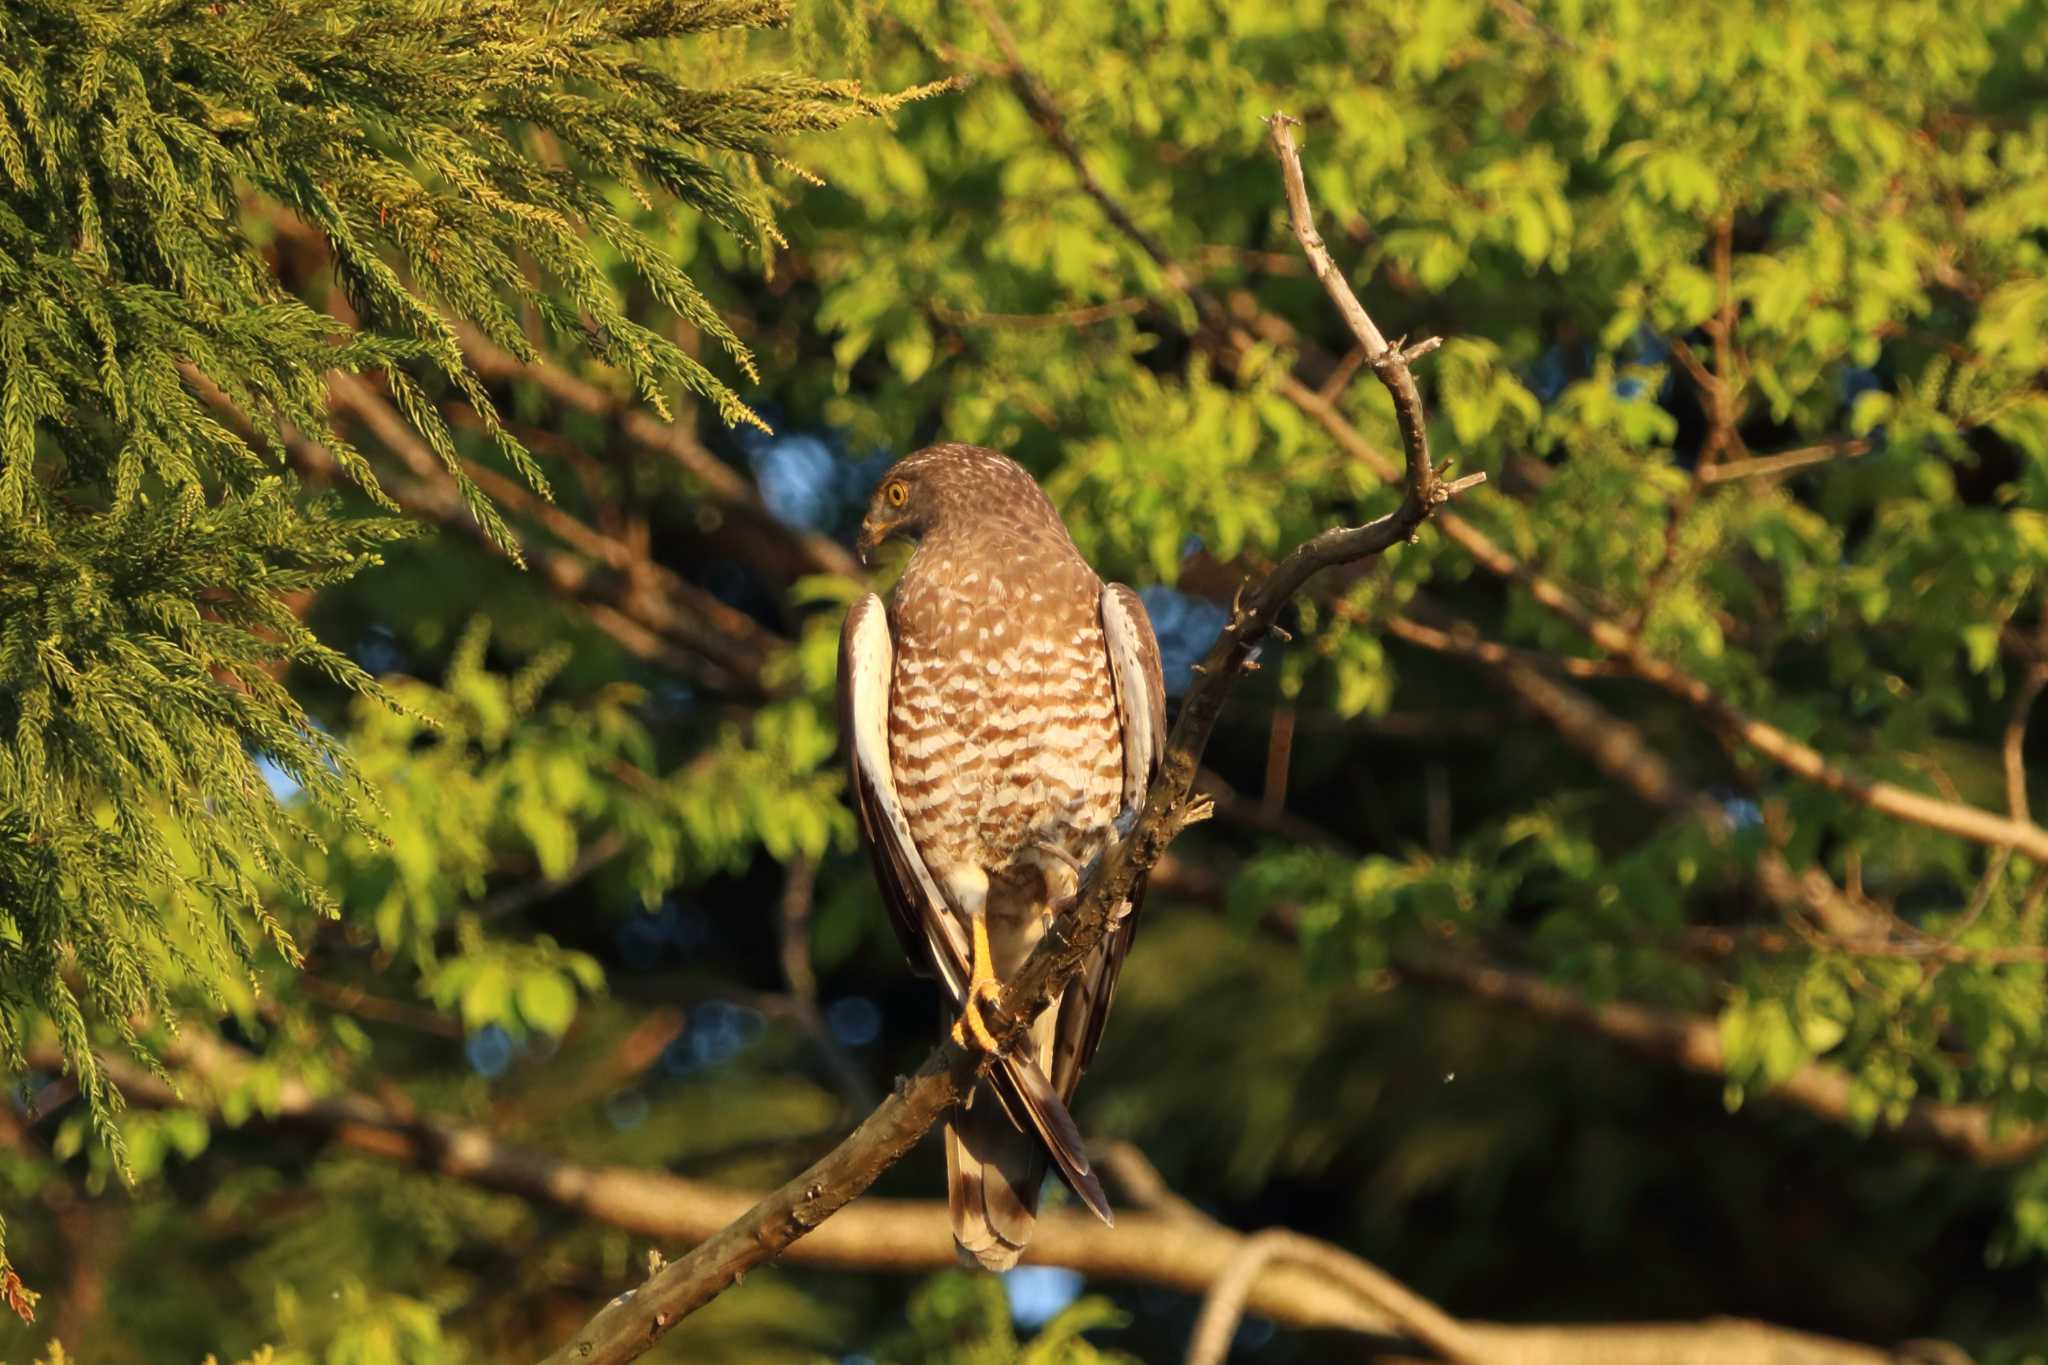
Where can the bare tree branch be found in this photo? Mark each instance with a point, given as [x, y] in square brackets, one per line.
[650, 593]
[1969, 1132]
[799, 886]
[361, 1004]
[1038, 322]
[1691, 1041]
[2015, 744]
[1621, 751]
[1764, 466]
[1462, 639]
[517, 900]
[1390, 363]
[435, 499]
[627, 1327]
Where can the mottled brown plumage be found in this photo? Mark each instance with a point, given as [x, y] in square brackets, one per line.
[1022, 722]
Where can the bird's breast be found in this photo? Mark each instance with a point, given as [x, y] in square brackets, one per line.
[1002, 721]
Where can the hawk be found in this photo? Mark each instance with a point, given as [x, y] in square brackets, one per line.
[1004, 718]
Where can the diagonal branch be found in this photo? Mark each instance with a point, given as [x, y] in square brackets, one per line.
[431, 497]
[650, 593]
[1802, 759]
[628, 1326]
[1970, 1131]
[720, 481]
[1621, 751]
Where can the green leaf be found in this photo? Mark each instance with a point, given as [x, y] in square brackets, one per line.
[547, 1002]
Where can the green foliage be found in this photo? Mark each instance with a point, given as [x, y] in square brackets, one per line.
[477, 773]
[959, 1318]
[464, 168]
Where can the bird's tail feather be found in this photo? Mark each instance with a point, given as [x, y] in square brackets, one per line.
[997, 1147]
[1031, 1101]
[993, 1173]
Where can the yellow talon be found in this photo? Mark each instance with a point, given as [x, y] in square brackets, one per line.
[970, 1022]
[982, 989]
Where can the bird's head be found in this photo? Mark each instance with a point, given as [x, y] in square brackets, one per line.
[956, 489]
[904, 505]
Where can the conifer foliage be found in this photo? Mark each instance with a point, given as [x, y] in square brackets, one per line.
[465, 164]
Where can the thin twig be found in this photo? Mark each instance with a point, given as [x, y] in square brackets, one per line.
[799, 884]
[1040, 103]
[437, 500]
[1390, 363]
[1529, 23]
[1758, 466]
[361, 1004]
[1464, 642]
[1037, 322]
[516, 900]
[1237, 808]
[720, 480]
[2015, 745]
[1339, 379]
[652, 594]
[1279, 758]
[1693, 1042]
[2013, 750]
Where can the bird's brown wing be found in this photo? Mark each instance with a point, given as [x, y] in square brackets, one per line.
[928, 928]
[1141, 719]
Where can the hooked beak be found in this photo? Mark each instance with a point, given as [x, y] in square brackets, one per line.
[873, 532]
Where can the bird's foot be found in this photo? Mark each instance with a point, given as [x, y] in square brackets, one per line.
[970, 1030]
[1058, 907]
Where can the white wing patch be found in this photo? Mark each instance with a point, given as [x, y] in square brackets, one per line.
[1140, 710]
[869, 656]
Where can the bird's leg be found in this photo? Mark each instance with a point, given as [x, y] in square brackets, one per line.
[983, 989]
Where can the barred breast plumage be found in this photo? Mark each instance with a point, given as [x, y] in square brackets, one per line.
[1002, 720]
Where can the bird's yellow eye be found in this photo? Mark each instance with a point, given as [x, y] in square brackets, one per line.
[897, 494]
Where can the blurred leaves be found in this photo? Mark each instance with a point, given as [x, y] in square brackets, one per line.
[959, 1318]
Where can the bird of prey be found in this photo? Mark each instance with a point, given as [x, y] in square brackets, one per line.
[1004, 718]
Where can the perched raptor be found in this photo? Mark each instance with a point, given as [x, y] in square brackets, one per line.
[1004, 717]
